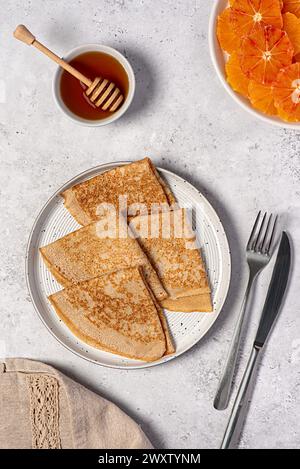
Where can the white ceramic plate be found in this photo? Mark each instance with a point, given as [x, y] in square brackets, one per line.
[54, 221]
[219, 59]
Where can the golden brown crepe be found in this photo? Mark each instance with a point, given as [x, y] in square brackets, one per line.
[116, 313]
[96, 250]
[170, 245]
[189, 304]
[138, 181]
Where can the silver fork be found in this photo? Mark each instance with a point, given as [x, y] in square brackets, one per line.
[258, 256]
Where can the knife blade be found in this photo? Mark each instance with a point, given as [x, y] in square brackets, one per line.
[275, 292]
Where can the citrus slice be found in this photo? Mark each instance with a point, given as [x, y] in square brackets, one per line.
[286, 92]
[226, 36]
[247, 14]
[291, 6]
[291, 25]
[235, 77]
[261, 98]
[264, 52]
[285, 117]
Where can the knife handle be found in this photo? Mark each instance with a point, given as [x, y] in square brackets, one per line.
[241, 402]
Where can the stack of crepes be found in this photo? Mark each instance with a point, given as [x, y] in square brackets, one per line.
[118, 271]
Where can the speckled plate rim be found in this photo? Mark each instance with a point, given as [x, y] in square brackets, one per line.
[225, 262]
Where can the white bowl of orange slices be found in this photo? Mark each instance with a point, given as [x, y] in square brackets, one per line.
[255, 48]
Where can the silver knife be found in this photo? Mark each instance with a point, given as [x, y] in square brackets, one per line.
[270, 311]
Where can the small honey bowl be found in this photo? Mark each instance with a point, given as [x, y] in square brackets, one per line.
[93, 60]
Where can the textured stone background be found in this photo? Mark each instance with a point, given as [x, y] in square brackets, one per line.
[185, 121]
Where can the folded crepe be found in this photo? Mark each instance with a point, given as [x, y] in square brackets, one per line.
[189, 304]
[169, 242]
[116, 313]
[139, 182]
[100, 248]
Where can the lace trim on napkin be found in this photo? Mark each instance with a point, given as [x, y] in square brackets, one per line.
[44, 411]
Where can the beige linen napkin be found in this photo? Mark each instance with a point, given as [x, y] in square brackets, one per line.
[42, 408]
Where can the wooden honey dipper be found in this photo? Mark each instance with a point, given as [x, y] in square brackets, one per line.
[101, 92]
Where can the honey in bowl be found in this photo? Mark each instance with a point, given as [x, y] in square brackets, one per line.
[91, 64]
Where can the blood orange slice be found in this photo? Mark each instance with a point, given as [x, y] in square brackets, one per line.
[247, 14]
[286, 92]
[235, 77]
[264, 52]
[292, 6]
[285, 117]
[291, 25]
[261, 98]
[226, 36]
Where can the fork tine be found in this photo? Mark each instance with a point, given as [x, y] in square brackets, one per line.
[259, 233]
[272, 235]
[250, 241]
[262, 247]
